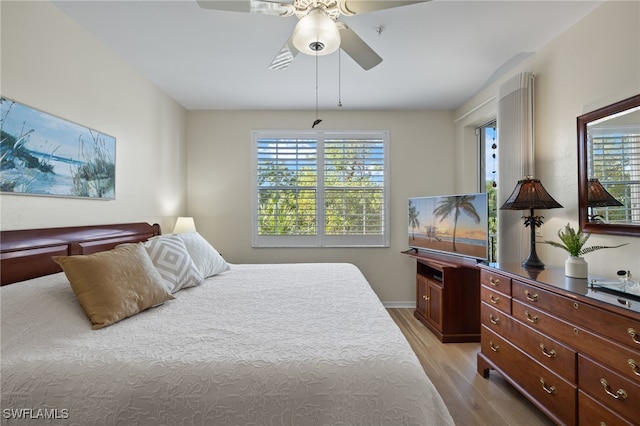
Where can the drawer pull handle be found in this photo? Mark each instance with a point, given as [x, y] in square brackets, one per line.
[494, 299]
[549, 353]
[494, 281]
[634, 336]
[534, 319]
[531, 297]
[425, 297]
[620, 393]
[494, 347]
[494, 320]
[634, 367]
[548, 389]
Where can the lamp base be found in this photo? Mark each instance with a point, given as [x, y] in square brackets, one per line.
[533, 264]
[533, 261]
[530, 262]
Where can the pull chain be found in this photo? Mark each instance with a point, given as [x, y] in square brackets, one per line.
[339, 80]
[317, 121]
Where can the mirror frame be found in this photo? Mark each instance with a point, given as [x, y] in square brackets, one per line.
[583, 211]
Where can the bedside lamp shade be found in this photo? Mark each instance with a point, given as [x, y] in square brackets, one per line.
[529, 194]
[600, 197]
[184, 224]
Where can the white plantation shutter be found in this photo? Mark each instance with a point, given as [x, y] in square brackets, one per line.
[614, 159]
[320, 189]
[354, 186]
[287, 184]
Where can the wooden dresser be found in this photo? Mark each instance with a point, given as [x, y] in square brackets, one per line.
[572, 350]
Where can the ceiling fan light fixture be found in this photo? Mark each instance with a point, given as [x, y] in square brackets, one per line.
[316, 34]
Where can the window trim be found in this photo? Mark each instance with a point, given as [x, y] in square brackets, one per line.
[319, 240]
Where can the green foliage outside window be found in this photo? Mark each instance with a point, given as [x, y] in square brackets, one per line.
[353, 188]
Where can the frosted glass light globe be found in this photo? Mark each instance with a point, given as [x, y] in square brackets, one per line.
[314, 28]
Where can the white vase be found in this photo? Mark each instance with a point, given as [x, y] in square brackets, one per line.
[576, 267]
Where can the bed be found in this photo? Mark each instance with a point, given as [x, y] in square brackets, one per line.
[273, 344]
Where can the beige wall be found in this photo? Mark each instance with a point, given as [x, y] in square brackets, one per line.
[51, 63]
[593, 64]
[219, 184]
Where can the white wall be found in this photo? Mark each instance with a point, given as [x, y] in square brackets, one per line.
[51, 63]
[593, 64]
[219, 184]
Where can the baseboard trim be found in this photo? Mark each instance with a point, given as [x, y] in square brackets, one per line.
[397, 305]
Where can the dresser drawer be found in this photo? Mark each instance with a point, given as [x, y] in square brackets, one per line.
[614, 355]
[609, 388]
[541, 320]
[592, 413]
[551, 354]
[552, 394]
[496, 299]
[496, 281]
[617, 327]
[493, 318]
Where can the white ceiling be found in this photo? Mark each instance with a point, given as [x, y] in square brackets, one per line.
[436, 54]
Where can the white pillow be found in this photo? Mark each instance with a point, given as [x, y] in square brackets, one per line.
[172, 259]
[207, 259]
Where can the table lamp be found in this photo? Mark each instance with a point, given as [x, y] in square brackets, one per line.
[599, 197]
[184, 224]
[529, 194]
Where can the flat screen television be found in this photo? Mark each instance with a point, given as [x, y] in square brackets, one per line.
[450, 224]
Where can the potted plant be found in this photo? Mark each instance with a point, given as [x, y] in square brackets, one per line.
[573, 242]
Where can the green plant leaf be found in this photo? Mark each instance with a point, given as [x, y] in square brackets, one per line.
[573, 242]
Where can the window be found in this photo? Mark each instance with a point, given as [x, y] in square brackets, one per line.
[614, 158]
[320, 189]
[487, 138]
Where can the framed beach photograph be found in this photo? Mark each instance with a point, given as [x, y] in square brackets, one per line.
[41, 154]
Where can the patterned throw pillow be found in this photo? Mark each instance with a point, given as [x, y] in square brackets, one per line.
[207, 259]
[171, 258]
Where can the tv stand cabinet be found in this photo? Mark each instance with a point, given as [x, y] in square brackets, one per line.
[448, 296]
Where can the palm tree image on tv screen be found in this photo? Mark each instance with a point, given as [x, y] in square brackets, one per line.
[453, 224]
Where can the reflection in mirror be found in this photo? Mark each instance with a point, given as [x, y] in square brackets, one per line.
[609, 168]
[599, 197]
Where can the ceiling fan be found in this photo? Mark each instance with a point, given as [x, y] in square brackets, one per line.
[318, 32]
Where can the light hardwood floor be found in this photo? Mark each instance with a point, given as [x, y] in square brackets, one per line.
[471, 399]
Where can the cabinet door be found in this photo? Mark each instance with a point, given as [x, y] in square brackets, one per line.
[422, 295]
[434, 303]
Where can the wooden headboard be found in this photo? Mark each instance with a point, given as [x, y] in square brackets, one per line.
[26, 254]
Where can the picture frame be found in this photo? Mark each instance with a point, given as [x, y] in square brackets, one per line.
[45, 155]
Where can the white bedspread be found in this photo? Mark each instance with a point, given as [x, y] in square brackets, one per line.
[292, 344]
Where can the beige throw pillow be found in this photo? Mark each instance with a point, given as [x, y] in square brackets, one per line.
[115, 284]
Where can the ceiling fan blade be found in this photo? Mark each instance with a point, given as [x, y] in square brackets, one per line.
[357, 7]
[355, 47]
[263, 7]
[285, 56]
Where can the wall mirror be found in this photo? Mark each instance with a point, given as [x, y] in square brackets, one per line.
[609, 169]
